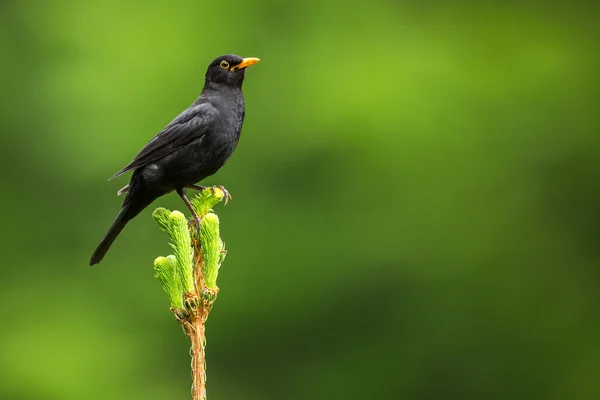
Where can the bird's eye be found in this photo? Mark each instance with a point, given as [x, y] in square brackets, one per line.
[224, 64]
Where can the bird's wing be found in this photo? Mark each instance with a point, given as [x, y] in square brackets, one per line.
[188, 126]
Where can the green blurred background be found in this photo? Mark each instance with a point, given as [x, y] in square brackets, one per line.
[415, 214]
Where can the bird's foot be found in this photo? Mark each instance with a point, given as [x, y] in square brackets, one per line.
[201, 188]
[225, 193]
[195, 221]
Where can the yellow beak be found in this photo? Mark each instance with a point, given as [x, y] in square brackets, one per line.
[246, 62]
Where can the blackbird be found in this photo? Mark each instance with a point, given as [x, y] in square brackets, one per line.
[192, 147]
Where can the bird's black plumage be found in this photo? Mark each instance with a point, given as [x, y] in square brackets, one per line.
[192, 147]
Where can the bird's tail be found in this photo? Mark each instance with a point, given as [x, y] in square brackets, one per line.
[120, 222]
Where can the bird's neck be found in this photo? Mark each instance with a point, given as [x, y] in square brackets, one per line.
[222, 96]
[220, 88]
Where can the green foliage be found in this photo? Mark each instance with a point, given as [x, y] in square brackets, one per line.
[212, 248]
[167, 274]
[205, 200]
[176, 272]
[175, 225]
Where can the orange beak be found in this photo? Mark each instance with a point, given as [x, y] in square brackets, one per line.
[246, 62]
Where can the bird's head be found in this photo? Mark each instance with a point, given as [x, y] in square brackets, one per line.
[229, 70]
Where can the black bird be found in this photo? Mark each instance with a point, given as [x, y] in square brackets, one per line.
[192, 147]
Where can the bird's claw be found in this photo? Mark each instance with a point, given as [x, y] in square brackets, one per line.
[225, 193]
[213, 188]
[195, 220]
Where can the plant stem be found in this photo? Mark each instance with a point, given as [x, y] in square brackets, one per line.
[196, 332]
[202, 301]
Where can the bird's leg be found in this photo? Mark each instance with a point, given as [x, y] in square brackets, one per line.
[196, 187]
[181, 192]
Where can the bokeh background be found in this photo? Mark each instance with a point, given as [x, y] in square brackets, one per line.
[415, 214]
